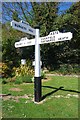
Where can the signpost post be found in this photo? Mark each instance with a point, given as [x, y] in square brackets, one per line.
[54, 36]
[37, 79]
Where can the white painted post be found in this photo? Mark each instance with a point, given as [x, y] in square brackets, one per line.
[37, 78]
[37, 55]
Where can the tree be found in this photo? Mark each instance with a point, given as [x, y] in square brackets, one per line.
[45, 18]
[0, 43]
[45, 14]
[15, 16]
[70, 22]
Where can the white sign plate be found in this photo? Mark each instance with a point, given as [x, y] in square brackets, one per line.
[26, 23]
[47, 39]
[22, 27]
[54, 32]
[63, 36]
[55, 38]
[42, 40]
[25, 43]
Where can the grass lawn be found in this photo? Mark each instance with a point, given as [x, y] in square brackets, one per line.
[60, 99]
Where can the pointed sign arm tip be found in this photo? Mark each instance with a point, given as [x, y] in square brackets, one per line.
[12, 22]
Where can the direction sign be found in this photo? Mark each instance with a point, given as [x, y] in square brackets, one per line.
[22, 27]
[25, 43]
[47, 39]
[55, 38]
[26, 23]
[54, 32]
[63, 36]
[23, 39]
[42, 40]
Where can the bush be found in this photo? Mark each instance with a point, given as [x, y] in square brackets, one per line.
[23, 74]
[69, 68]
[27, 78]
[4, 81]
[18, 80]
[76, 68]
[63, 69]
[43, 76]
[23, 70]
[5, 70]
[24, 78]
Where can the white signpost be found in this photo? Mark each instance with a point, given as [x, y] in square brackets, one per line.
[54, 36]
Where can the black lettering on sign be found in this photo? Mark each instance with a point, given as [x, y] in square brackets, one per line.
[29, 42]
[66, 37]
[22, 27]
[62, 38]
[52, 38]
[30, 30]
[20, 44]
[59, 38]
[25, 23]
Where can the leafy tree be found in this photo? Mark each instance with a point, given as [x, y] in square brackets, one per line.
[0, 43]
[45, 17]
[15, 16]
[70, 22]
[44, 14]
[10, 55]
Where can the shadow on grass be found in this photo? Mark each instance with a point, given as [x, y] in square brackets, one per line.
[56, 89]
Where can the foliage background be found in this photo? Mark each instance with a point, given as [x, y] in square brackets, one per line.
[46, 15]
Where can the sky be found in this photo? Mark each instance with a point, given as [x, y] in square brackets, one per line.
[62, 7]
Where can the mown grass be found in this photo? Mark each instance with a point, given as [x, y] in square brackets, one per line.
[52, 106]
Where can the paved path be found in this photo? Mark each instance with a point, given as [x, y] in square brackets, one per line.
[50, 74]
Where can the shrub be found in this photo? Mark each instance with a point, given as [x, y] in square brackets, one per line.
[43, 76]
[63, 69]
[7, 80]
[27, 78]
[23, 78]
[76, 68]
[18, 80]
[5, 70]
[4, 81]
[69, 68]
[23, 70]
